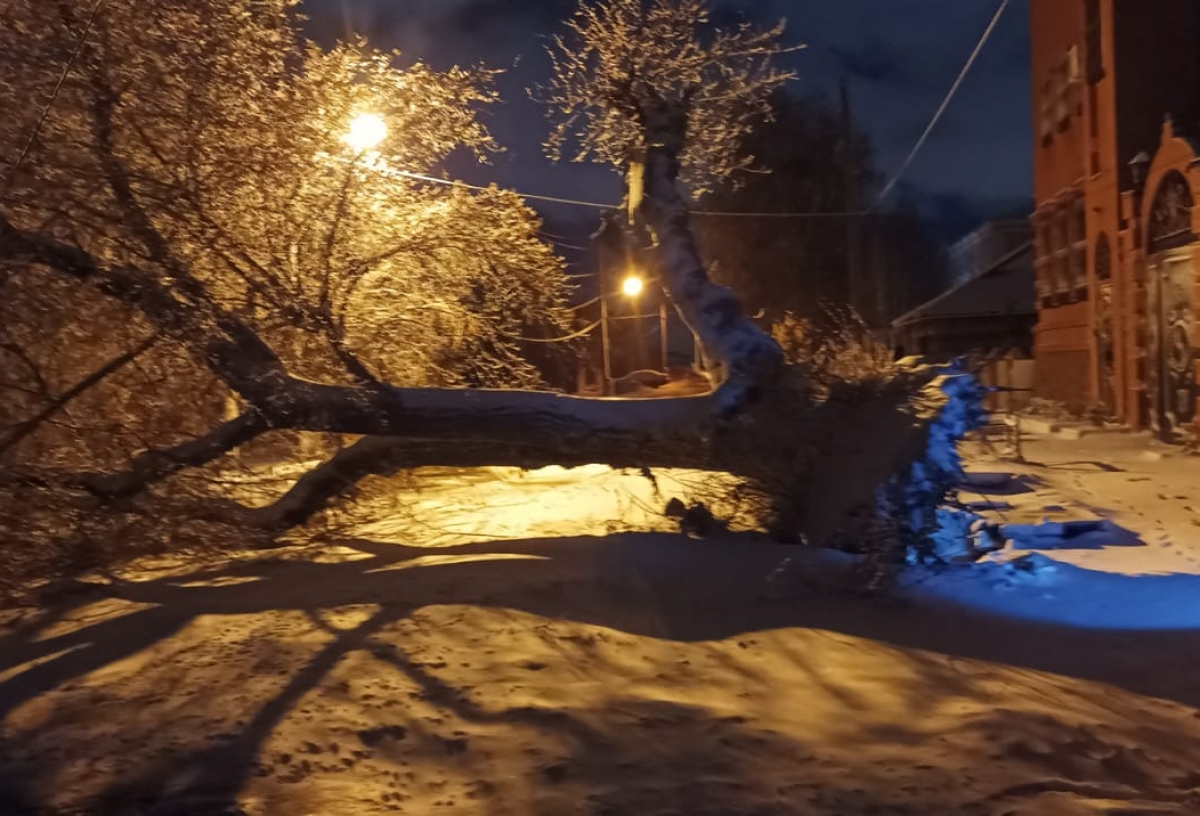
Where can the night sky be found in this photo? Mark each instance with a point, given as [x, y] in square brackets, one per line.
[899, 57]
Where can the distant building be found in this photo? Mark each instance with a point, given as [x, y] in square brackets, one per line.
[991, 313]
[1116, 86]
[985, 246]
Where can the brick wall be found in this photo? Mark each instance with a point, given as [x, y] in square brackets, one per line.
[1063, 376]
[1062, 348]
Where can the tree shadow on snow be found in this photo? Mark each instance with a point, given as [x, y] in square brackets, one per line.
[1082, 465]
[999, 483]
[658, 586]
[1086, 534]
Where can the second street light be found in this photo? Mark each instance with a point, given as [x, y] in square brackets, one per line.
[633, 286]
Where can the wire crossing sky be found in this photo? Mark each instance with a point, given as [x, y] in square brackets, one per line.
[897, 56]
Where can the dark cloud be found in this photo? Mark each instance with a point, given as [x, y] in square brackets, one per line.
[873, 62]
[953, 214]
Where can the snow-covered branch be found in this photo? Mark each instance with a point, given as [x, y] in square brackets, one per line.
[623, 59]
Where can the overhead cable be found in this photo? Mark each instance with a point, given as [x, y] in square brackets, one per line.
[962, 75]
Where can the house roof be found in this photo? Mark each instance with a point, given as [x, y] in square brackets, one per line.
[1005, 288]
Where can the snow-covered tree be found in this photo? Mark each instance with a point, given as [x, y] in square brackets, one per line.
[208, 148]
[209, 137]
[258, 203]
[633, 73]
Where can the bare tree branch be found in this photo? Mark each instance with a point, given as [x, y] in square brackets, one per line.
[154, 465]
[23, 429]
[35, 372]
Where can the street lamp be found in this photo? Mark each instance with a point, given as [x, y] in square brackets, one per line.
[632, 287]
[1138, 166]
[367, 132]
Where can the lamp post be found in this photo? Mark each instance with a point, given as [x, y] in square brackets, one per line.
[662, 335]
[606, 357]
[632, 287]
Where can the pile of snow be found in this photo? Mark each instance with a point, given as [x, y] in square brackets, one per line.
[1077, 535]
[631, 674]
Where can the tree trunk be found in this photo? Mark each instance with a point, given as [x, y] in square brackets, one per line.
[823, 458]
[742, 358]
[838, 449]
[155, 465]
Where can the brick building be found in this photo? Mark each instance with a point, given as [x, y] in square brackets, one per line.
[1116, 89]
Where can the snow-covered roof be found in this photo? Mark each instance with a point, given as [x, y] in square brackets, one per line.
[1007, 287]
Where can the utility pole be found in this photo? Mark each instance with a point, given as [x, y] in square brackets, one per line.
[602, 278]
[662, 332]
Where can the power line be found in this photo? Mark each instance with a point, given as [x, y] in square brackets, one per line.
[933, 122]
[962, 75]
[452, 183]
[777, 214]
[598, 205]
[62, 78]
[565, 338]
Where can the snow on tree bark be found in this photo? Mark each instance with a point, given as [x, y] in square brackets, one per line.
[740, 357]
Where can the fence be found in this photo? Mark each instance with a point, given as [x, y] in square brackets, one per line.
[1012, 376]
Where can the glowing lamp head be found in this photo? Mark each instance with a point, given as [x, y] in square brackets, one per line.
[367, 132]
[632, 286]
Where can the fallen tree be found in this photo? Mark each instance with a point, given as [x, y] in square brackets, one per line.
[171, 224]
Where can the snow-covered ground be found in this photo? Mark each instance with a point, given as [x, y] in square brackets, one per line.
[1104, 532]
[541, 644]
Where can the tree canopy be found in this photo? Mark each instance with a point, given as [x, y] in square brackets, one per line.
[627, 69]
[205, 144]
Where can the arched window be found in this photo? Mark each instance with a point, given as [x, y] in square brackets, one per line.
[1170, 223]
